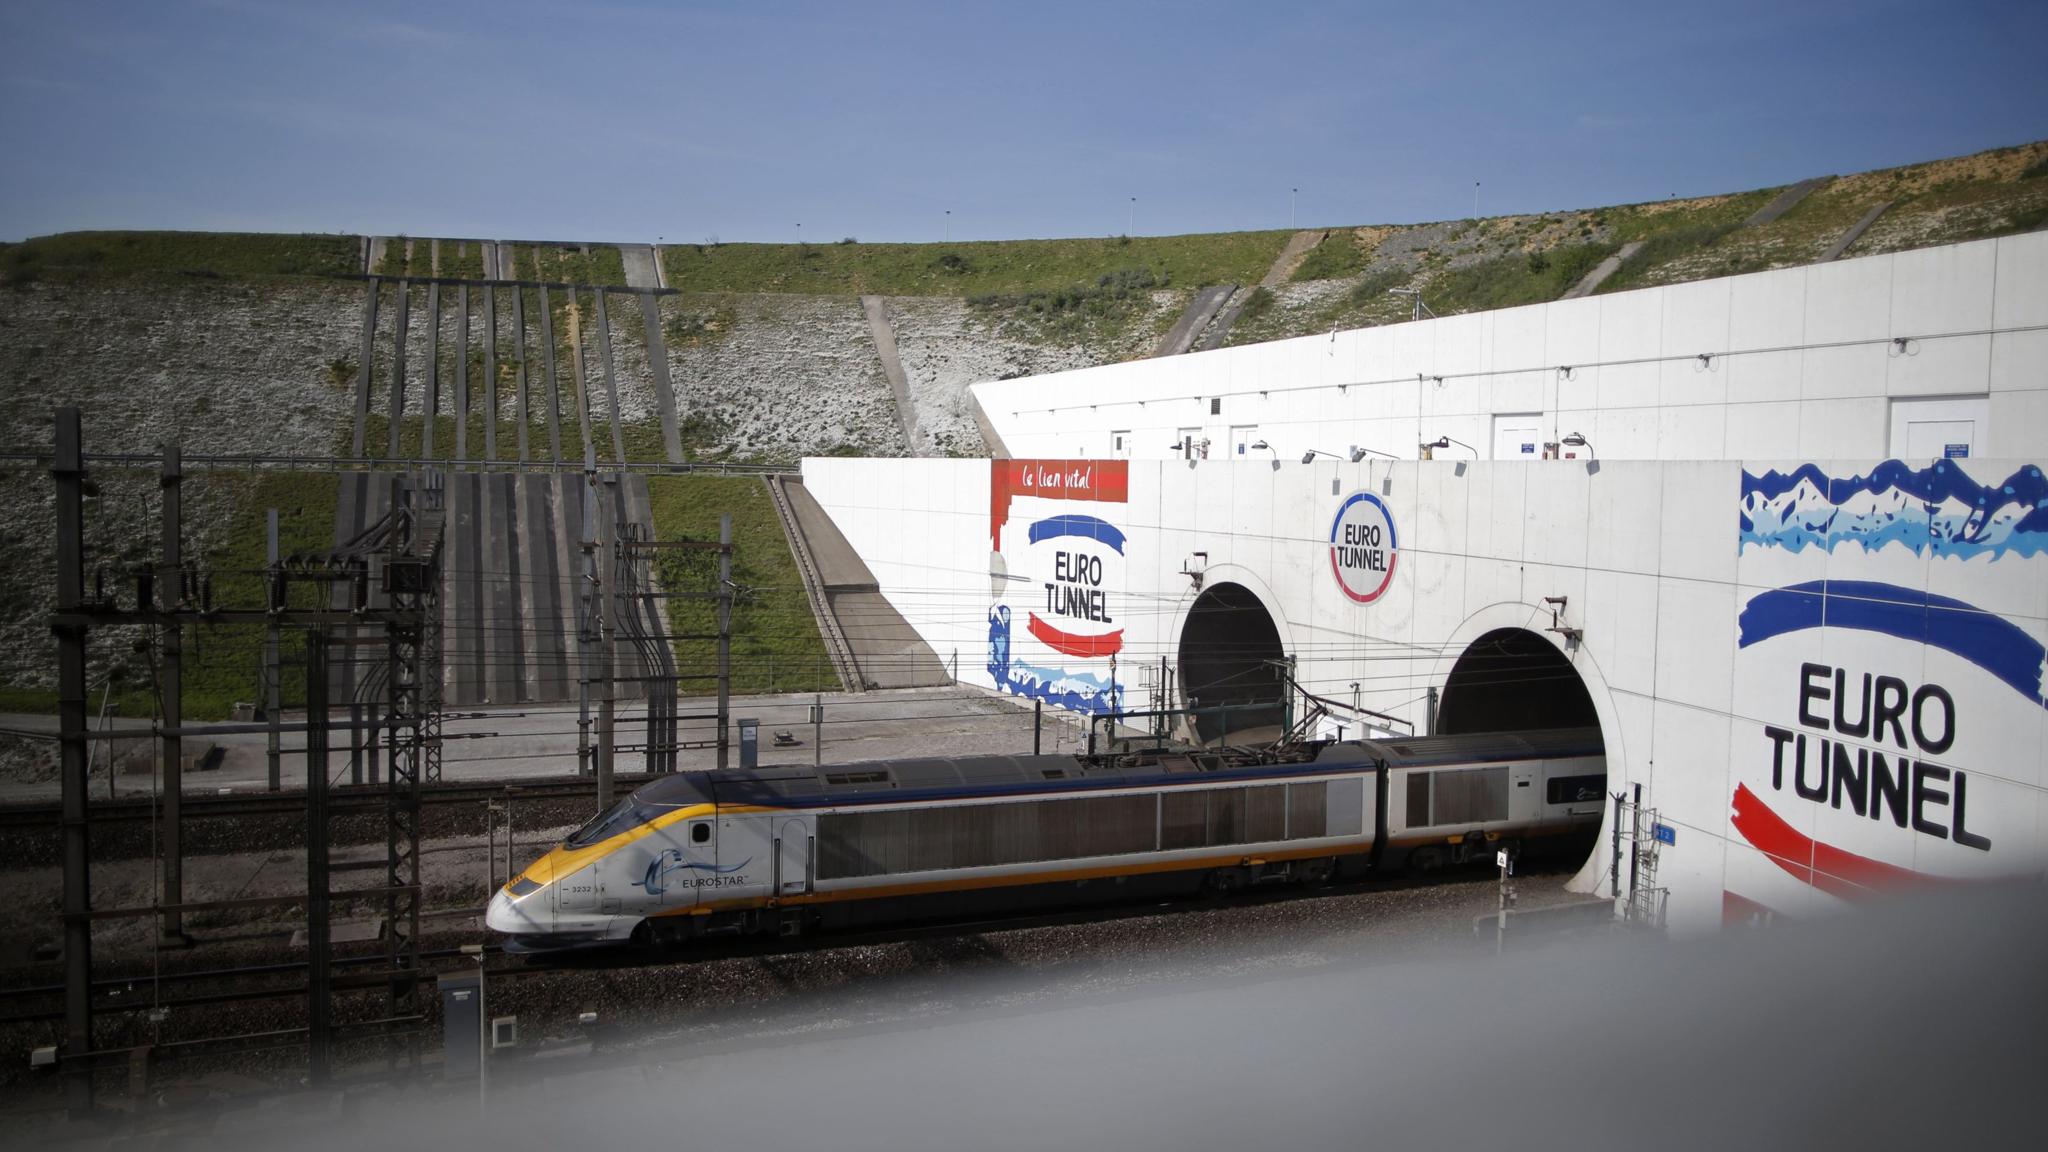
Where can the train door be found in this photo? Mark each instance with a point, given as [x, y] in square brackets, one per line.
[792, 857]
[1525, 792]
[678, 862]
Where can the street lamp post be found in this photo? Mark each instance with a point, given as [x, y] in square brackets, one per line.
[1292, 195]
[1132, 225]
[949, 225]
[1475, 199]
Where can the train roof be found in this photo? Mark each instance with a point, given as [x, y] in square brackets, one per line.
[942, 776]
[1540, 744]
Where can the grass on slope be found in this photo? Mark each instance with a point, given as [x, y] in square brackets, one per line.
[71, 255]
[968, 268]
[1675, 235]
[1511, 281]
[775, 645]
[1344, 253]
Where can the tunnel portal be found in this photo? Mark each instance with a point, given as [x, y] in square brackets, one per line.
[1230, 656]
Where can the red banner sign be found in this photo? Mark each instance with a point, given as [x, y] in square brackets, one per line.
[1103, 481]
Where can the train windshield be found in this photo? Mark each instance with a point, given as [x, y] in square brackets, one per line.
[624, 816]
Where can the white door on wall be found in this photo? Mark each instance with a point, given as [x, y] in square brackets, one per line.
[1518, 436]
[1936, 429]
[1241, 438]
[1120, 444]
[1190, 442]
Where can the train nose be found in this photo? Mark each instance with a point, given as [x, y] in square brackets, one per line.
[516, 917]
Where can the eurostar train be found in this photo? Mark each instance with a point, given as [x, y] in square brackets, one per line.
[792, 850]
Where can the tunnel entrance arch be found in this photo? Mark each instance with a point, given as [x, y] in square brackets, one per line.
[1513, 680]
[1231, 655]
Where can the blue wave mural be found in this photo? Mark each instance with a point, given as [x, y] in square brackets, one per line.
[1075, 691]
[1936, 510]
[1989, 641]
[1089, 527]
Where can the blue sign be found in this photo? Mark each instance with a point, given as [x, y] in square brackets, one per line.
[1955, 451]
[1664, 834]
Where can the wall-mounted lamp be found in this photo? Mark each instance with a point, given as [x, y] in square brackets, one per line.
[1358, 454]
[1309, 457]
[1429, 447]
[1576, 440]
[1564, 372]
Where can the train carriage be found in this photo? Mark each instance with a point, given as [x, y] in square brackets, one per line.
[788, 850]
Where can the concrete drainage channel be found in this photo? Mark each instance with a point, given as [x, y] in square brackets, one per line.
[836, 647]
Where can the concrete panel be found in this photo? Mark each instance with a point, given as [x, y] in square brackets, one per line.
[1517, 340]
[472, 624]
[1696, 668]
[1843, 371]
[1849, 300]
[501, 621]
[1696, 433]
[1841, 428]
[1698, 503]
[1613, 609]
[1624, 433]
[2019, 361]
[1695, 321]
[1571, 332]
[1692, 754]
[1762, 431]
[1767, 310]
[545, 613]
[664, 391]
[1625, 501]
[2020, 294]
[2019, 426]
[1943, 289]
[1763, 377]
[1939, 367]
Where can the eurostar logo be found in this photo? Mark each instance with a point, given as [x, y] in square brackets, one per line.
[659, 869]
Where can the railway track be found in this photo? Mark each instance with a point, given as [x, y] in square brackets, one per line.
[341, 800]
[111, 992]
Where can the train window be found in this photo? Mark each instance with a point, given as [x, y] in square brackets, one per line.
[700, 833]
[1307, 810]
[856, 778]
[1574, 789]
[984, 835]
[623, 816]
[1226, 816]
[1265, 813]
[1183, 820]
[1418, 799]
[1466, 796]
[1054, 773]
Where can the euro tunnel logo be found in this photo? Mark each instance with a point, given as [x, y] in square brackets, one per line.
[1363, 547]
[1081, 562]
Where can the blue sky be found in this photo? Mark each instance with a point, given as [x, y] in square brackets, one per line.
[628, 121]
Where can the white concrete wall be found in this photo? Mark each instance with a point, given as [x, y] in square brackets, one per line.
[1658, 570]
[1744, 520]
[1802, 364]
